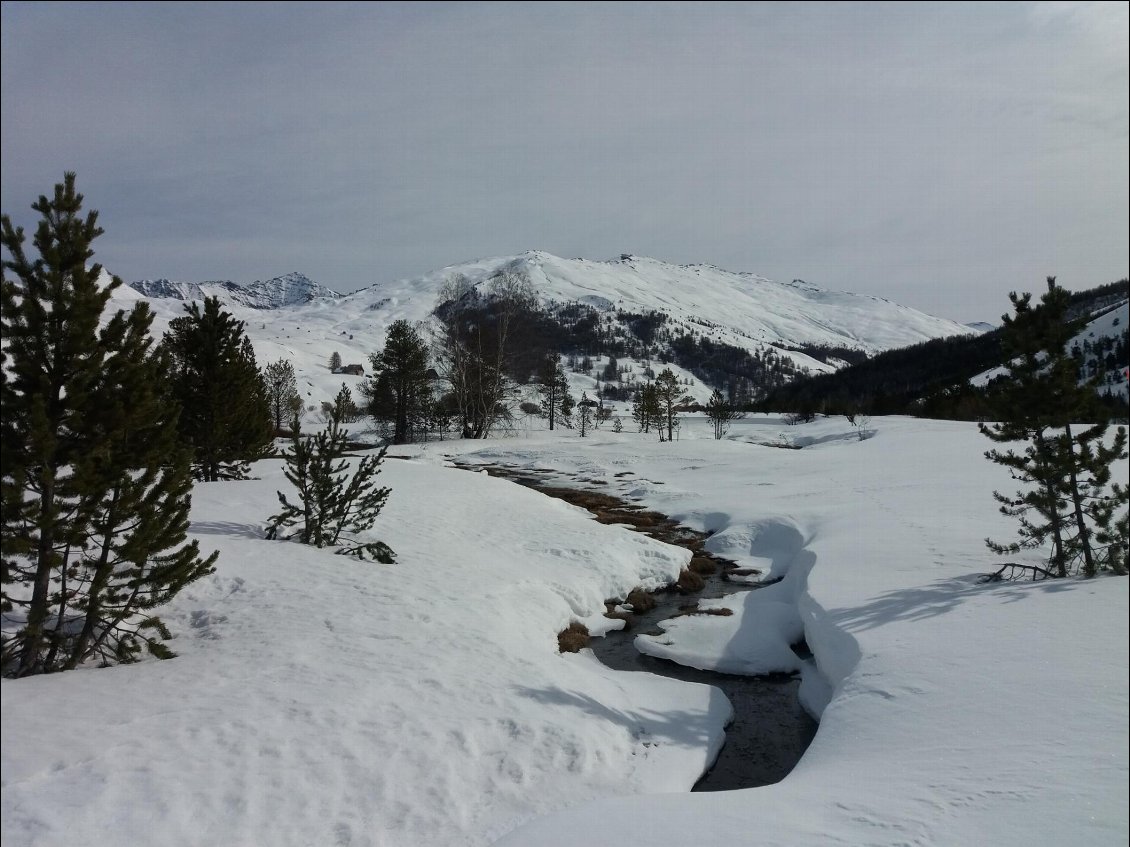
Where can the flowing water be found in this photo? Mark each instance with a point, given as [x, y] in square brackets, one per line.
[770, 730]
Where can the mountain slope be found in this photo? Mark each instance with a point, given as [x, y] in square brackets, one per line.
[1101, 344]
[292, 317]
[943, 378]
[742, 309]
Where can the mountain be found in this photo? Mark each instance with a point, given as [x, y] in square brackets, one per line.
[722, 315]
[740, 309]
[981, 326]
[290, 290]
[293, 289]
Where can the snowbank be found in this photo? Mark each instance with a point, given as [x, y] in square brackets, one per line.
[952, 712]
[318, 700]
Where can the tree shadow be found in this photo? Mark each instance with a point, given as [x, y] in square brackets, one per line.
[779, 542]
[684, 727]
[938, 598]
[230, 528]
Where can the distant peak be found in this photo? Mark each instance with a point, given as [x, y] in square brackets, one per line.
[290, 289]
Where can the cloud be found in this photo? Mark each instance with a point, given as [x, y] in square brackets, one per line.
[937, 155]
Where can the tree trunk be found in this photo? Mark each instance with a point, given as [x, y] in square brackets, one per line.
[98, 583]
[33, 634]
[1059, 557]
[1077, 502]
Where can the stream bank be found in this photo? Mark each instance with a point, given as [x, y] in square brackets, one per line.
[770, 730]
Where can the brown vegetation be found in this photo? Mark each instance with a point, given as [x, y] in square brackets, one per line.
[573, 637]
[703, 565]
[689, 582]
[640, 600]
[693, 609]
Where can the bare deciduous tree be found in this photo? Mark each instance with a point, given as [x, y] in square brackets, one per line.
[471, 347]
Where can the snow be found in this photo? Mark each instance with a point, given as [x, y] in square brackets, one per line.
[318, 699]
[744, 310]
[321, 700]
[755, 639]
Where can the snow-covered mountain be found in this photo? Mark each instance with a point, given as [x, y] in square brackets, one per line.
[292, 317]
[740, 308]
[290, 290]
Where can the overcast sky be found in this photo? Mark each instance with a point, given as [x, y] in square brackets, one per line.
[937, 155]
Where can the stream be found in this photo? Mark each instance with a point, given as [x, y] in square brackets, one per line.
[770, 730]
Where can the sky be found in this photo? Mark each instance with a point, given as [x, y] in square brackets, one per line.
[938, 155]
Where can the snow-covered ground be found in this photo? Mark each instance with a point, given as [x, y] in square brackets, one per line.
[319, 700]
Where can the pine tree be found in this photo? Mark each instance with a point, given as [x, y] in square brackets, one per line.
[645, 409]
[584, 414]
[1067, 496]
[553, 386]
[668, 395]
[567, 406]
[721, 413]
[333, 506]
[342, 409]
[401, 390]
[1021, 400]
[96, 492]
[282, 392]
[226, 417]
[1082, 457]
[335, 361]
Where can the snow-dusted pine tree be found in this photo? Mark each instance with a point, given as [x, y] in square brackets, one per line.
[96, 489]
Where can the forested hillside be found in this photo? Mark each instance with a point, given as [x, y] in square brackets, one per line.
[939, 378]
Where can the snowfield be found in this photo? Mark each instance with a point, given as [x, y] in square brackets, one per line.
[317, 700]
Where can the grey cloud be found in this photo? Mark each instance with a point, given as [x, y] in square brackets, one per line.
[938, 155]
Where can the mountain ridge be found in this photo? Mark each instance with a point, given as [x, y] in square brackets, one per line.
[278, 292]
[807, 328]
[741, 308]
